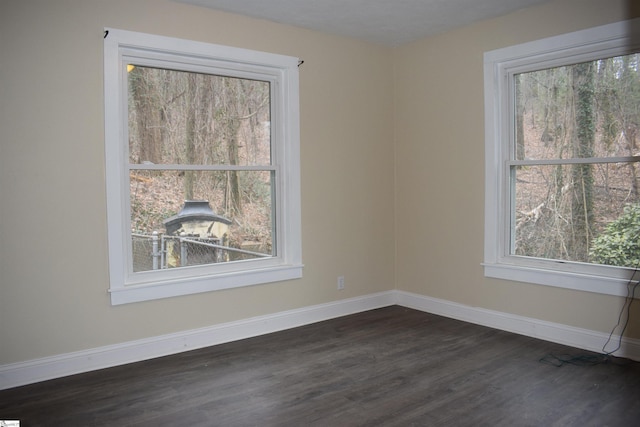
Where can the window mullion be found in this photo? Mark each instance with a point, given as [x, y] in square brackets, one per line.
[574, 161]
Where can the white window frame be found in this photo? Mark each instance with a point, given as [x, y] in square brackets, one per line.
[122, 47]
[500, 66]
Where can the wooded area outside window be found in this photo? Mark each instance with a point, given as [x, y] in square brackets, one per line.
[562, 119]
[202, 166]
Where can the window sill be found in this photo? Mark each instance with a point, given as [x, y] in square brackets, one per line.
[194, 285]
[560, 279]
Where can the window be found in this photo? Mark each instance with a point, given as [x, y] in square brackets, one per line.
[562, 132]
[202, 166]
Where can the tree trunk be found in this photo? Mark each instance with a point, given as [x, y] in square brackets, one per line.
[583, 146]
[148, 115]
[190, 134]
[519, 118]
[234, 199]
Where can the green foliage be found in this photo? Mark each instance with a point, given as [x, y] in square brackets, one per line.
[619, 244]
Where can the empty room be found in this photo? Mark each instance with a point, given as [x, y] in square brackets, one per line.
[329, 213]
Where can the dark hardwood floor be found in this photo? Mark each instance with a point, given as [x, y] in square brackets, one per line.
[388, 367]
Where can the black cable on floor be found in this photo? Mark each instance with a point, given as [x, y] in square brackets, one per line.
[631, 291]
[606, 356]
[579, 360]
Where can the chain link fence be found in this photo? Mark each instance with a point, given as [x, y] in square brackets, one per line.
[158, 251]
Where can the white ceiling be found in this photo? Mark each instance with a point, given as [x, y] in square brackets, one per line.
[386, 22]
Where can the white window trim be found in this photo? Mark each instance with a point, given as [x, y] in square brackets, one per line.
[499, 68]
[282, 71]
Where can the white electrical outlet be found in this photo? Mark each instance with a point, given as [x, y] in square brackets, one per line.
[340, 283]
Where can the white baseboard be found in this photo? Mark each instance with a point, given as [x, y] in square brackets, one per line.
[22, 373]
[555, 332]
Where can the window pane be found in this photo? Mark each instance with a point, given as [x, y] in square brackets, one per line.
[560, 211]
[178, 117]
[232, 209]
[577, 111]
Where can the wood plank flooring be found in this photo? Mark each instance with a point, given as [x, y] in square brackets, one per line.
[388, 367]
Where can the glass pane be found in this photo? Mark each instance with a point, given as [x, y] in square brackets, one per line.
[578, 212]
[583, 110]
[177, 117]
[225, 216]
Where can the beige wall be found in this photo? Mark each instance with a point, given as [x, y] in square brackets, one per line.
[53, 258]
[439, 128]
[53, 250]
